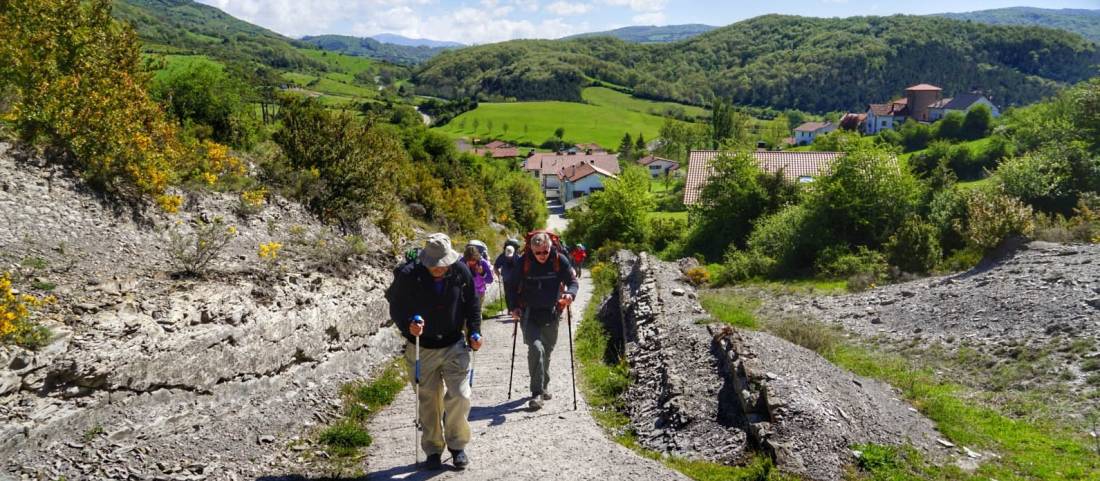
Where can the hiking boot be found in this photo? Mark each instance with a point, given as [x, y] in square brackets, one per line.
[434, 462]
[535, 403]
[460, 459]
[546, 396]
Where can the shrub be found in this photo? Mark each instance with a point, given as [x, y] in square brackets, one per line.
[742, 265]
[811, 335]
[785, 243]
[841, 262]
[915, 247]
[697, 276]
[663, 232]
[192, 253]
[947, 213]
[77, 84]
[251, 202]
[16, 324]
[994, 217]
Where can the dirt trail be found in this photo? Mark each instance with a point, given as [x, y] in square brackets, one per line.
[510, 442]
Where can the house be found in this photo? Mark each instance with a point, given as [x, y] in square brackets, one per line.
[582, 179]
[497, 149]
[547, 167]
[962, 104]
[806, 133]
[796, 167]
[591, 148]
[885, 116]
[658, 166]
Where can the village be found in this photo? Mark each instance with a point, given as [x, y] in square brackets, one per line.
[567, 175]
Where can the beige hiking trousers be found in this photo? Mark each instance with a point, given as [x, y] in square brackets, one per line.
[444, 367]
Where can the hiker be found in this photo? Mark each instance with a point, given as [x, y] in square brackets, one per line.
[481, 270]
[579, 254]
[439, 288]
[545, 286]
[505, 268]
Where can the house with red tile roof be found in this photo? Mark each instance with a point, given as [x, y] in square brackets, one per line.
[497, 150]
[582, 179]
[658, 166]
[796, 167]
[549, 167]
[591, 148]
[806, 133]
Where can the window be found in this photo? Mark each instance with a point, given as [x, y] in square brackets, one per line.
[805, 179]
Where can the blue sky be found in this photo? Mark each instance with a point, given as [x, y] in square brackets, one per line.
[483, 21]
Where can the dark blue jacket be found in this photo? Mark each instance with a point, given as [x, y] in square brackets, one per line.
[540, 287]
[445, 314]
[507, 266]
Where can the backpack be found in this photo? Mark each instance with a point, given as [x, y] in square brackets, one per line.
[555, 249]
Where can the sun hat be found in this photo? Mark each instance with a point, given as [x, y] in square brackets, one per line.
[437, 251]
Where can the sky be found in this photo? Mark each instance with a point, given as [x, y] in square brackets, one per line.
[486, 21]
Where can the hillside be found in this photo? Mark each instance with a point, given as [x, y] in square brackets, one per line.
[1080, 21]
[651, 34]
[188, 27]
[779, 61]
[369, 47]
[414, 42]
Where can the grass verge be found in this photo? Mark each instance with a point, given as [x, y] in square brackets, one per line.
[344, 439]
[492, 309]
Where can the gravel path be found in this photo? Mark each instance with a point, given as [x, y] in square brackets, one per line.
[510, 442]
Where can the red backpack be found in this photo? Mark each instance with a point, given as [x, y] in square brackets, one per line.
[555, 248]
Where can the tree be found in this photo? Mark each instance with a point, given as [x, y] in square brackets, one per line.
[476, 123]
[489, 127]
[951, 127]
[721, 123]
[640, 147]
[559, 133]
[617, 213]
[977, 123]
[775, 131]
[352, 164]
[505, 128]
[728, 204]
[626, 148]
[915, 135]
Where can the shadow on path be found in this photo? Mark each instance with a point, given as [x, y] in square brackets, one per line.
[408, 472]
[496, 414]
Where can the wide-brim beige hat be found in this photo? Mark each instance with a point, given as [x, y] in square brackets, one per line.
[437, 251]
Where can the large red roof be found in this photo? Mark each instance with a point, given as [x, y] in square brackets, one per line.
[794, 164]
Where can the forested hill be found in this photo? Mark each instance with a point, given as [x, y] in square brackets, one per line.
[812, 64]
[369, 47]
[1080, 21]
[185, 26]
[651, 34]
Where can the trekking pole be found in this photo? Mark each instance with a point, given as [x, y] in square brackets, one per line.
[572, 370]
[473, 357]
[500, 292]
[515, 328]
[416, 376]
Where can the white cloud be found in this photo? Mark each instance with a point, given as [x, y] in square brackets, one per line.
[565, 8]
[639, 5]
[304, 17]
[470, 25]
[651, 18]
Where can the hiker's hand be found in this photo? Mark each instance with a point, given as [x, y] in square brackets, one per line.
[516, 314]
[475, 341]
[564, 302]
[416, 327]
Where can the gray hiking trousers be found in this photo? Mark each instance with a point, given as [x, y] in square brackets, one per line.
[540, 333]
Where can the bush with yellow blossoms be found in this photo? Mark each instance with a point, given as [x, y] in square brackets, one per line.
[16, 312]
[251, 202]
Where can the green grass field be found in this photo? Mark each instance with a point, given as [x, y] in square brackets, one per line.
[174, 63]
[606, 97]
[604, 121]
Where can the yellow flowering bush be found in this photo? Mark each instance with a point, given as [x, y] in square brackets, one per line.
[16, 325]
[77, 84]
[269, 251]
[169, 203]
[252, 201]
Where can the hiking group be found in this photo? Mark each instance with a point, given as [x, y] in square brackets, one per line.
[435, 300]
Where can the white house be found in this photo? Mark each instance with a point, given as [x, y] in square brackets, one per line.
[885, 116]
[548, 168]
[658, 166]
[963, 104]
[582, 179]
[806, 133]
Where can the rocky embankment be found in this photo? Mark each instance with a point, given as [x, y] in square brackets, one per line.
[707, 391]
[150, 375]
[1035, 303]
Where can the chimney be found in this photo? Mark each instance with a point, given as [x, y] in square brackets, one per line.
[587, 151]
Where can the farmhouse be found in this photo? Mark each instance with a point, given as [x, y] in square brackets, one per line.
[582, 179]
[923, 103]
[658, 166]
[550, 168]
[497, 149]
[796, 167]
[806, 133]
[962, 104]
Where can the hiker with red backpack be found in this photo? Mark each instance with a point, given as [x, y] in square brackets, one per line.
[545, 287]
[579, 254]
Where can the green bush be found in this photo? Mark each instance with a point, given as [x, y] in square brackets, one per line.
[915, 247]
[664, 231]
[1051, 178]
[947, 213]
[840, 262]
[994, 217]
[741, 265]
[786, 240]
